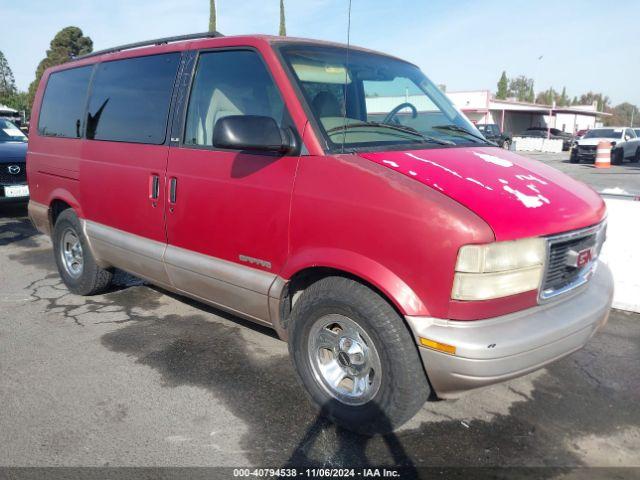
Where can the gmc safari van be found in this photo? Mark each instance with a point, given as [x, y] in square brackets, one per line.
[339, 198]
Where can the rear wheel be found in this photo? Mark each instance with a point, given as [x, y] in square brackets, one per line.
[636, 157]
[76, 264]
[573, 158]
[355, 356]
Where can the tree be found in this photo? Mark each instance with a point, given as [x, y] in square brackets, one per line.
[621, 115]
[547, 97]
[521, 88]
[18, 101]
[283, 27]
[7, 82]
[503, 87]
[531, 95]
[68, 43]
[603, 101]
[212, 16]
[563, 100]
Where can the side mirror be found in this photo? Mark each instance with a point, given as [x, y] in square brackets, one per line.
[252, 132]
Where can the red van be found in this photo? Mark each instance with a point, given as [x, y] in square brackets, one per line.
[334, 194]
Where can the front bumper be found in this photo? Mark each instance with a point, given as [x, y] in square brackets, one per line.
[584, 154]
[500, 348]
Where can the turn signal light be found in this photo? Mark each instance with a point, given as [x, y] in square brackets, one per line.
[441, 347]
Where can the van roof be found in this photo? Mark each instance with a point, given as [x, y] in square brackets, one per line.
[196, 40]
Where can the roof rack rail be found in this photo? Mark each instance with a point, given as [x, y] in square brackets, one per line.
[157, 41]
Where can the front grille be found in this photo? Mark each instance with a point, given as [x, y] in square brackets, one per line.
[587, 149]
[7, 178]
[560, 275]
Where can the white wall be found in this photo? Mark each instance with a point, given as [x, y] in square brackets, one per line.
[573, 122]
[478, 99]
[621, 252]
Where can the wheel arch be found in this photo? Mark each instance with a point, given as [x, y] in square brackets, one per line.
[59, 200]
[308, 269]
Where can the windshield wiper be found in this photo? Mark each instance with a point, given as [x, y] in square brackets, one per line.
[456, 128]
[399, 128]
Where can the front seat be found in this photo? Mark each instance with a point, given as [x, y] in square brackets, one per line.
[326, 105]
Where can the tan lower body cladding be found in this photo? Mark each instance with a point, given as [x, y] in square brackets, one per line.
[230, 286]
[242, 290]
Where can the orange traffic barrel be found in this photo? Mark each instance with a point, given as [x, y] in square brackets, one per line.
[603, 155]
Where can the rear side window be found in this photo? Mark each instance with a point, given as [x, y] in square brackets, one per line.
[232, 82]
[63, 103]
[130, 99]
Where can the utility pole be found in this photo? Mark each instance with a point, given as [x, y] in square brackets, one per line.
[553, 106]
[633, 111]
[283, 28]
[212, 16]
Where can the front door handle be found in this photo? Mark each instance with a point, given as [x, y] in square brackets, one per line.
[154, 187]
[173, 185]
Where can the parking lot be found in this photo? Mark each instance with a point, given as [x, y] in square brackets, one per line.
[140, 377]
[620, 179]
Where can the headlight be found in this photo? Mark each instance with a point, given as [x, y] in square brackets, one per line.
[498, 269]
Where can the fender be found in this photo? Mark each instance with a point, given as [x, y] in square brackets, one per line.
[402, 296]
[67, 197]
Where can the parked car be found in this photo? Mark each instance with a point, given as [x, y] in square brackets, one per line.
[13, 170]
[553, 133]
[401, 258]
[580, 133]
[492, 132]
[623, 142]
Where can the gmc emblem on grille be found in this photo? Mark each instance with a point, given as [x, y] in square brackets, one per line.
[13, 169]
[581, 258]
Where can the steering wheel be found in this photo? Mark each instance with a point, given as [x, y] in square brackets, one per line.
[390, 116]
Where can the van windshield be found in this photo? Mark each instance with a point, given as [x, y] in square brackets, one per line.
[374, 102]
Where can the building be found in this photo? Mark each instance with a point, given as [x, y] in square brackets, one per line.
[515, 117]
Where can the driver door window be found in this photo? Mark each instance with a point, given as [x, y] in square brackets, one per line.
[232, 82]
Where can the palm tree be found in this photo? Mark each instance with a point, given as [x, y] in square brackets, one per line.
[212, 15]
[283, 28]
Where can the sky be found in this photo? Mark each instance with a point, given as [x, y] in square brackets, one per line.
[463, 44]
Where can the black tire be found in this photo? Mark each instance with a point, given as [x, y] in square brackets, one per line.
[617, 157]
[403, 386]
[636, 157]
[573, 158]
[91, 278]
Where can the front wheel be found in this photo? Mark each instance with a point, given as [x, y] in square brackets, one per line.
[618, 157]
[76, 264]
[636, 157]
[355, 356]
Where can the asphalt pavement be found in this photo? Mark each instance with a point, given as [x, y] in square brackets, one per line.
[620, 179]
[141, 377]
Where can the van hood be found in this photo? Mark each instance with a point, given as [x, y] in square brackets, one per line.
[518, 197]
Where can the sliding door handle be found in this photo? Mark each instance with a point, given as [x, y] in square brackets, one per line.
[154, 187]
[173, 185]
